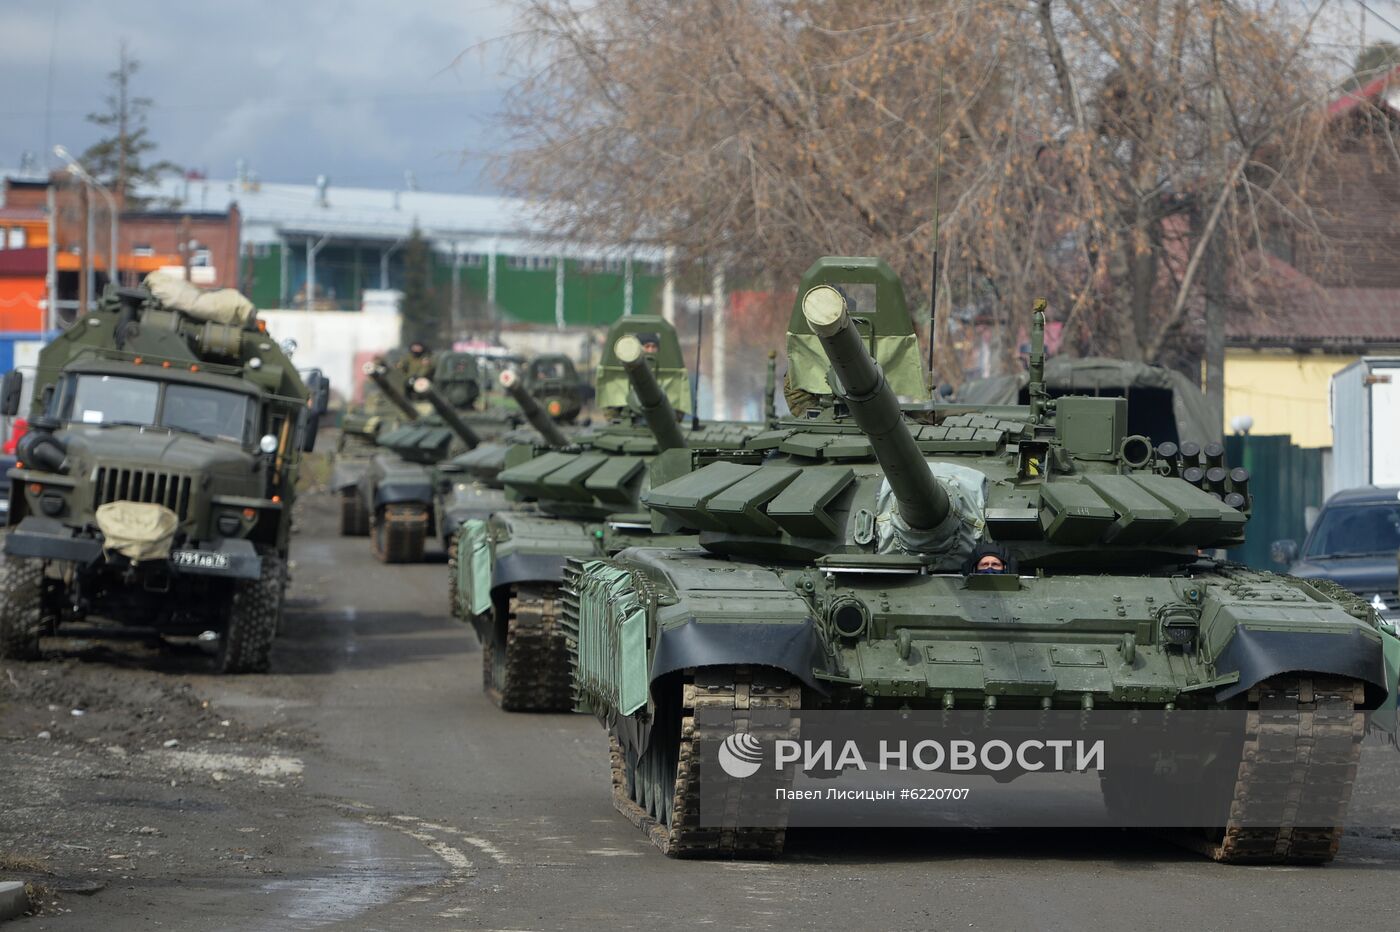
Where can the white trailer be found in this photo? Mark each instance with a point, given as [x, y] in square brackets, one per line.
[1365, 412]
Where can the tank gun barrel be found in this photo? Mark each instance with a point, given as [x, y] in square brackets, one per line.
[379, 375]
[923, 503]
[542, 422]
[449, 415]
[656, 408]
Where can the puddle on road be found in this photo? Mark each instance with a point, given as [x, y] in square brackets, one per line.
[364, 875]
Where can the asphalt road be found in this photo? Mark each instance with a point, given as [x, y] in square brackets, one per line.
[420, 806]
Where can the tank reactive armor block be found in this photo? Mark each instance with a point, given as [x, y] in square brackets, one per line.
[585, 502]
[156, 484]
[831, 574]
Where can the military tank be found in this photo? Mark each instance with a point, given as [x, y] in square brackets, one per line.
[585, 503]
[357, 445]
[830, 573]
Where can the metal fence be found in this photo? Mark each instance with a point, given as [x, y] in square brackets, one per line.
[1285, 480]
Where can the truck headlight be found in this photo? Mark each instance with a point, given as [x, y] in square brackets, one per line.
[51, 504]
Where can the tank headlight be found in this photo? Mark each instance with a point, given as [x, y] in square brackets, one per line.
[228, 525]
[268, 443]
[255, 363]
[1179, 630]
[51, 504]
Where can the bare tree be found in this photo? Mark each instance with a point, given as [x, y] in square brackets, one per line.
[1130, 161]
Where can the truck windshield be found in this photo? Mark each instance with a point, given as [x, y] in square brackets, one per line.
[1355, 531]
[112, 399]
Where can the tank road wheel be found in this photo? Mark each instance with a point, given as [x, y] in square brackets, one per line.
[21, 608]
[529, 667]
[1301, 747]
[253, 620]
[400, 532]
[659, 790]
[354, 516]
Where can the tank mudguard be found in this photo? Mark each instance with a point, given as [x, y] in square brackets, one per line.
[534, 549]
[794, 648]
[1354, 651]
[404, 483]
[347, 475]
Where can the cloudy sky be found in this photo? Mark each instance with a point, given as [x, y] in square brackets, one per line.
[358, 90]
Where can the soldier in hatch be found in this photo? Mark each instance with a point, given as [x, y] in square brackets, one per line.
[989, 559]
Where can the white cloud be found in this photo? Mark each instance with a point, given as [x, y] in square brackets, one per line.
[359, 87]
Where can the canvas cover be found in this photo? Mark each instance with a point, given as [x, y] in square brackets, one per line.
[953, 540]
[875, 298]
[220, 306]
[614, 389]
[137, 530]
[1064, 376]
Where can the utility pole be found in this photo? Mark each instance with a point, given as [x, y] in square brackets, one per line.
[122, 79]
[86, 282]
[51, 275]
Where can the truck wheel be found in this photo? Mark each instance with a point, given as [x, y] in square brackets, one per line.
[21, 608]
[354, 516]
[253, 620]
[400, 533]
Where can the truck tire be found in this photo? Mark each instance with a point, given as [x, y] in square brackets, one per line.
[253, 620]
[354, 516]
[21, 608]
[400, 533]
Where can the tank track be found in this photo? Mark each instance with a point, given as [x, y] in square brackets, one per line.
[400, 532]
[452, 575]
[354, 517]
[537, 673]
[1299, 732]
[678, 832]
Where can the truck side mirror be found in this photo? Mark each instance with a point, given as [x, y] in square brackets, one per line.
[10, 390]
[1283, 552]
[309, 422]
[319, 389]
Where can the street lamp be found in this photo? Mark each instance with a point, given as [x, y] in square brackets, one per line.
[77, 169]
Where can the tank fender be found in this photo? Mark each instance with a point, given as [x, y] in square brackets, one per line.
[796, 649]
[1256, 654]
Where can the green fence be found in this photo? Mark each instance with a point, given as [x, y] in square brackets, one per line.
[1285, 480]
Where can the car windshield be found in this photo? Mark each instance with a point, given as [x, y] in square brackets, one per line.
[112, 399]
[1356, 530]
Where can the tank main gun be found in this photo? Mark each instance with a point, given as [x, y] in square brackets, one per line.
[542, 422]
[656, 408]
[923, 503]
[378, 373]
[449, 415]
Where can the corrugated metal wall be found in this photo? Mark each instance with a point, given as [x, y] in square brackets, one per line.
[1285, 480]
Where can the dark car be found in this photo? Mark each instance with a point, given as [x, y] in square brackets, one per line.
[1354, 543]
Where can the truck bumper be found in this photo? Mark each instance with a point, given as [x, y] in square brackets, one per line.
[46, 539]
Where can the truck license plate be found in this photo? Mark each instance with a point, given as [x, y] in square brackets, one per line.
[200, 559]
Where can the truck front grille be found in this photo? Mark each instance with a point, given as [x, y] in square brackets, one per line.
[115, 484]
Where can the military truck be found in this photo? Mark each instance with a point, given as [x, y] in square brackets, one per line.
[552, 381]
[832, 573]
[156, 484]
[585, 497]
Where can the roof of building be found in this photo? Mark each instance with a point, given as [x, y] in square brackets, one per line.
[1303, 313]
[1382, 91]
[474, 223]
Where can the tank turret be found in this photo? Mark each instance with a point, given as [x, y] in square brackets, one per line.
[426, 389]
[378, 373]
[542, 422]
[656, 408]
[923, 503]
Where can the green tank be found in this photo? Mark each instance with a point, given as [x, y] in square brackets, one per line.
[360, 427]
[585, 500]
[553, 382]
[832, 572]
[155, 487]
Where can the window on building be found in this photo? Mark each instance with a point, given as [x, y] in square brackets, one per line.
[530, 263]
[473, 260]
[201, 258]
[612, 266]
[17, 238]
[143, 249]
